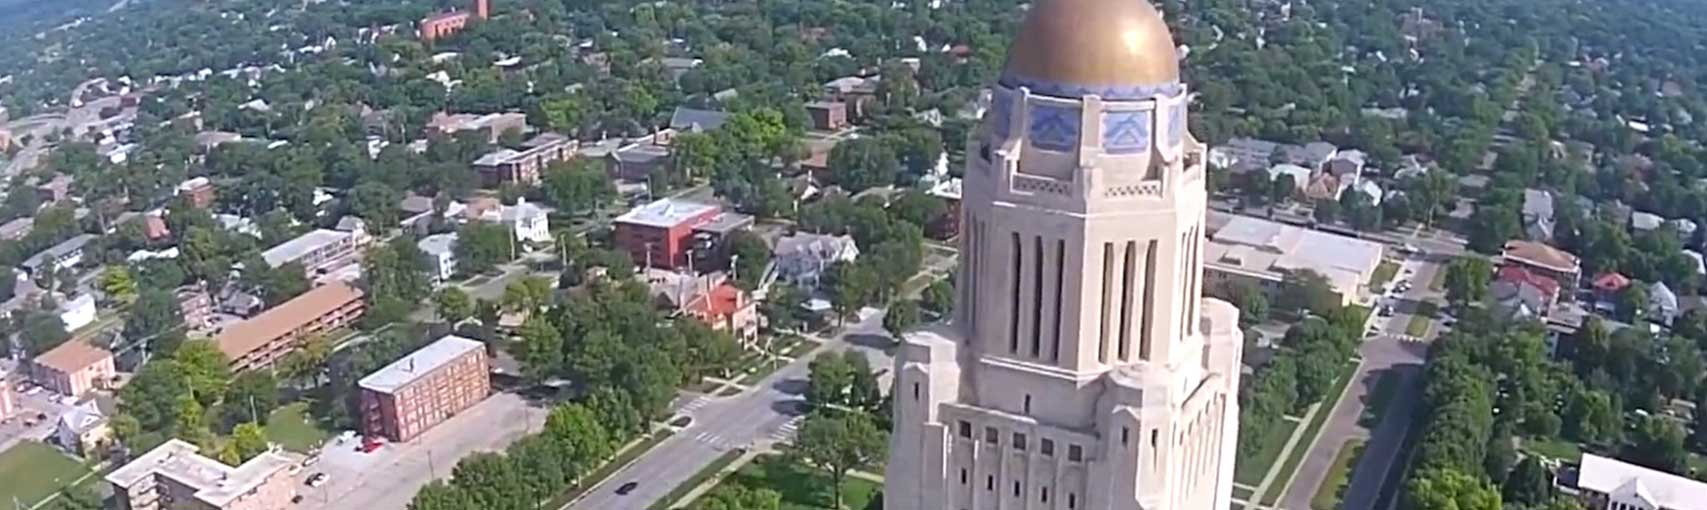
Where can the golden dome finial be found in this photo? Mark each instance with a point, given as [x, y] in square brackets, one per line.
[1092, 44]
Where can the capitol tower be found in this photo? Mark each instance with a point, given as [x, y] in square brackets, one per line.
[1082, 369]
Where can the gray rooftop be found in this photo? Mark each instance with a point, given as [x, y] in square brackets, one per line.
[689, 119]
[419, 363]
[665, 213]
[1259, 245]
[215, 483]
[725, 223]
[641, 153]
[302, 245]
[59, 250]
[497, 157]
[437, 244]
[1537, 204]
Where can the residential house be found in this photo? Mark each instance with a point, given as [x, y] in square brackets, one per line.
[1537, 215]
[1241, 155]
[1662, 303]
[17, 228]
[195, 305]
[56, 189]
[77, 312]
[198, 190]
[727, 308]
[1544, 260]
[1347, 165]
[83, 430]
[441, 255]
[803, 258]
[1313, 155]
[1608, 285]
[1645, 222]
[64, 255]
[690, 120]
[1519, 291]
[1300, 175]
[828, 115]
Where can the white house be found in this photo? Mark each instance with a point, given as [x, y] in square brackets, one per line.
[803, 258]
[77, 312]
[528, 221]
[441, 253]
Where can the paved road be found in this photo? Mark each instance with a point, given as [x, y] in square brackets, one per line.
[1387, 352]
[765, 414]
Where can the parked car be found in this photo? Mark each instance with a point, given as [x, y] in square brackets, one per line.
[317, 479]
[627, 488]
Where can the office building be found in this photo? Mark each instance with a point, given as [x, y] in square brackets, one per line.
[660, 234]
[1263, 253]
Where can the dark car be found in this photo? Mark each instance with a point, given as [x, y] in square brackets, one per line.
[627, 488]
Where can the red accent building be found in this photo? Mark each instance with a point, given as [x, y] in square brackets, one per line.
[660, 234]
[448, 23]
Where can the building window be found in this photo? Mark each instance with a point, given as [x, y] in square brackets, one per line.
[1046, 447]
[990, 435]
[1028, 404]
[915, 391]
[1125, 436]
[965, 429]
[1075, 453]
[963, 476]
[990, 483]
[1016, 488]
[1045, 494]
[1072, 501]
[1019, 441]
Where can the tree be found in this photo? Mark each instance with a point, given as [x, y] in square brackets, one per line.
[1529, 483]
[1308, 290]
[42, 331]
[1632, 302]
[852, 288]
[837, 443]
[577, 185]
[204, 368]
[1590, 417]
[863, 163]
[1467, 279]
[1446, 489]
[540, 350]
[77, 497]
[903, 315]
[739, 497]
[250, 441]
[1658, 443]
[1492, 225]
[750, 255]
[454, 305]
[251, 397]
[938, 297]
[782, 308]
[1327, 211]
[118, 283]
[527, 294]
[154, 312]
[480, 247]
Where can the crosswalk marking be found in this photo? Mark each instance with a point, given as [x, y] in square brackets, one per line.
[787, 430]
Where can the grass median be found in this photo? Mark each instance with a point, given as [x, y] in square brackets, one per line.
[1250, 470]
[1328, 495]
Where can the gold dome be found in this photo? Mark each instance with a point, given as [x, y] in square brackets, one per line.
[1093, 43]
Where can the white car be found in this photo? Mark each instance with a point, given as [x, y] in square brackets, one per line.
[317, 479]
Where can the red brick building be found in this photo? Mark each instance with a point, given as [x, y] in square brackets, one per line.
[424, 388]
[199, 191]
[660, 234]
[828, 115]
[446, 24]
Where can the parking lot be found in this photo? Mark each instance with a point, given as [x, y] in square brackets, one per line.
[389, 477]
[26, 420]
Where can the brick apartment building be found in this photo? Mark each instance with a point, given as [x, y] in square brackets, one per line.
[449, 23]
[195, 305]
[523, 167]
[73, 368]
[660, 234]
[263, 340]
[424, 388]
[174, 476]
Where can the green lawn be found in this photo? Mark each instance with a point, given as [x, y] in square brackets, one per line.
[1376, 405]
[1310, 432]
[802, 488]
[1418, 326]
[1438, 283]
[1249, 470]
[31, 471]
[1383, 273]
[1555, 448]
[1241, 493]
[291, 426]
[1339, 474]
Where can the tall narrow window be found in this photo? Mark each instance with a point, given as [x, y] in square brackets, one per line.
[1126, 301]
[1102, 322]
[1060, 283]
[1013, 320]
[1028, 404]
[1037, 297]
[1149, 300]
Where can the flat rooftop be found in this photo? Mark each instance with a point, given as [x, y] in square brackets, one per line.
[242, 338]
[215, 483]
[304, 244]
[419, 363]
[1259, 245]
[665, 213]
[1614, 477]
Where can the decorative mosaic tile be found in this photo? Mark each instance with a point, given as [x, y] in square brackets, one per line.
[1126, 132]
[1054, 128]
[1072, 90]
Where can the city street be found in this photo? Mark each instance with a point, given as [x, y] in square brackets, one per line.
[1390, 352]
[765, 414]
